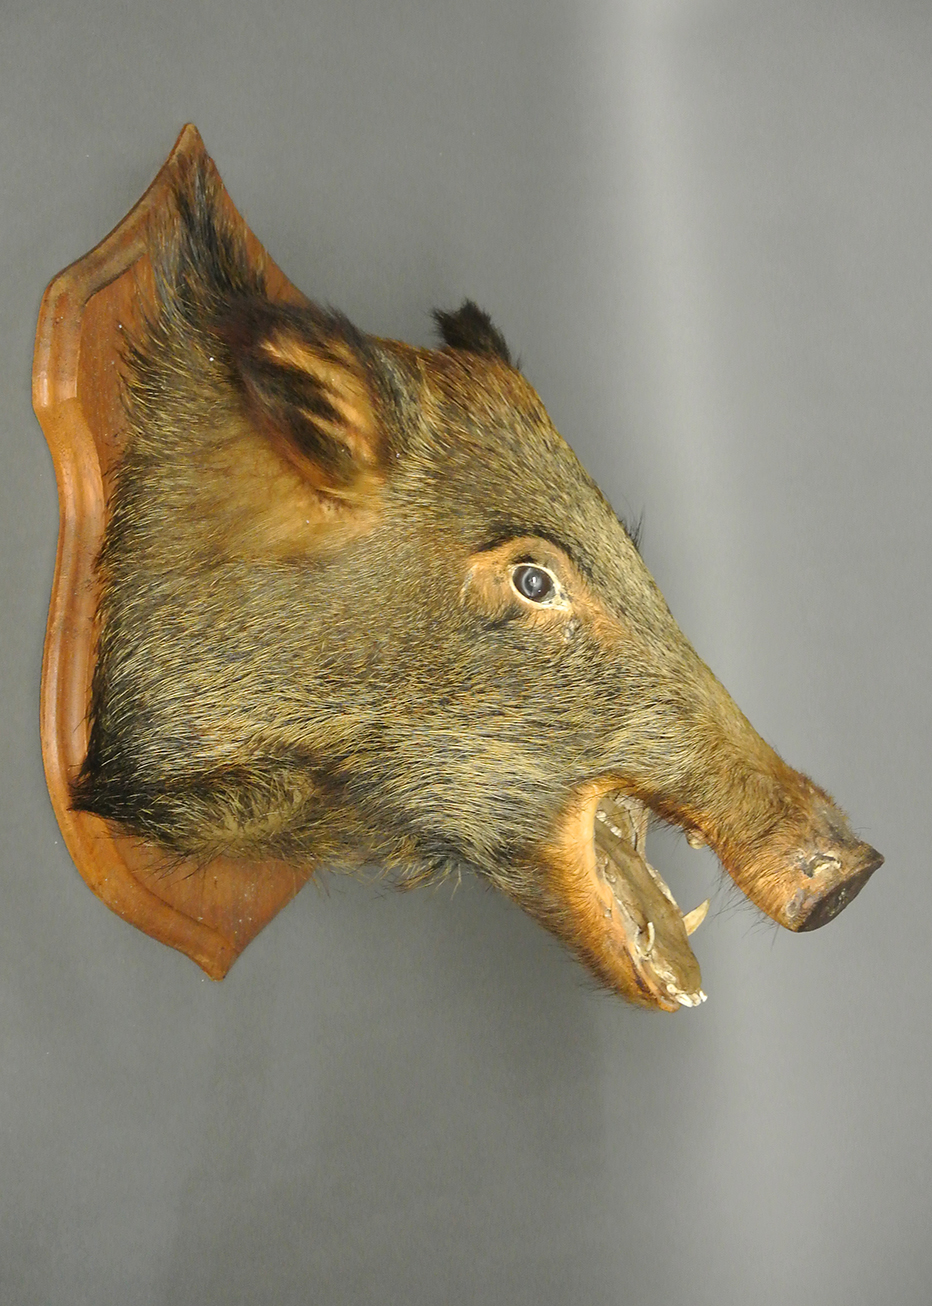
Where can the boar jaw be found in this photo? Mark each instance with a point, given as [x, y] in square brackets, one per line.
[780, 837]
[618, 914]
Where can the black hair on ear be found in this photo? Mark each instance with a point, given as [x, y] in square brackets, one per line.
[468, 327]
[306, 380]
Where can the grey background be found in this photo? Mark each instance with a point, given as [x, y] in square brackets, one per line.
[706, 227]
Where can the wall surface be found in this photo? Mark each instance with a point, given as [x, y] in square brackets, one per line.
[705, 227]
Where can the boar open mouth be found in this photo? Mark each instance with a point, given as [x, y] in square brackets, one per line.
[801, 864]
[625, 921]
[655, 929]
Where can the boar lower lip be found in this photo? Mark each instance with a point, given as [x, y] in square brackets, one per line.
[655, 930]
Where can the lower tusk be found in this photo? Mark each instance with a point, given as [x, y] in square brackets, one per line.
[651, 935]
[692, 920]
[695, 838]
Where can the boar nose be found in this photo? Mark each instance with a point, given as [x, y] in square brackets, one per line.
[811, 866]
[843, 874]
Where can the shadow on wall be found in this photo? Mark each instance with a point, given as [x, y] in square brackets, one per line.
[448, 1122]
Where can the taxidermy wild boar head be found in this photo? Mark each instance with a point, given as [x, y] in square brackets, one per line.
[361, 603]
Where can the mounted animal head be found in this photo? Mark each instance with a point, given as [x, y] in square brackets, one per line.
[361, 603]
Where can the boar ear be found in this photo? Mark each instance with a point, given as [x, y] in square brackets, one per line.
[468, 327]
[308, 382]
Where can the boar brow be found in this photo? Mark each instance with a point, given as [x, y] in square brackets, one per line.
[515, 530]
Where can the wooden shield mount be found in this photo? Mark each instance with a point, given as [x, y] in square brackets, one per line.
[209, 912]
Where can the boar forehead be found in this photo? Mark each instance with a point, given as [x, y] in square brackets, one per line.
[482, 463]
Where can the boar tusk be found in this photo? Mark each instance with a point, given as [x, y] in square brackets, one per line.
[695, 838]
[651, 935]
[692, 920]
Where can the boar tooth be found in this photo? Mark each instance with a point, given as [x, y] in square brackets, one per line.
[651, 935]
[703, 997]
[695, 838]
[692, 920]
[684, 1000]
[661, 884]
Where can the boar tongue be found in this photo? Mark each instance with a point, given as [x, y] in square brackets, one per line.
[654, 925]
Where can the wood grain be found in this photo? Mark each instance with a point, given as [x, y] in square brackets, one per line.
[208, 912]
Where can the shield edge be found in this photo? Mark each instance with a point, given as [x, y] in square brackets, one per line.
[131, 879]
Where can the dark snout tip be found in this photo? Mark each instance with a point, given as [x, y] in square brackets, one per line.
[873, 860]
[836, 898]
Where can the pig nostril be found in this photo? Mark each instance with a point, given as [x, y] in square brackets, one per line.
[827, 907]
[819, 862]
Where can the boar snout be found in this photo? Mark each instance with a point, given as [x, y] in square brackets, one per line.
[809, 869]
[817, 908]
[783, 840]
[833, 867]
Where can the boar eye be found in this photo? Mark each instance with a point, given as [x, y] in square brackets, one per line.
[533, 583]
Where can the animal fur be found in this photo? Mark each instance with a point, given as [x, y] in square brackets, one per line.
[312, 647]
